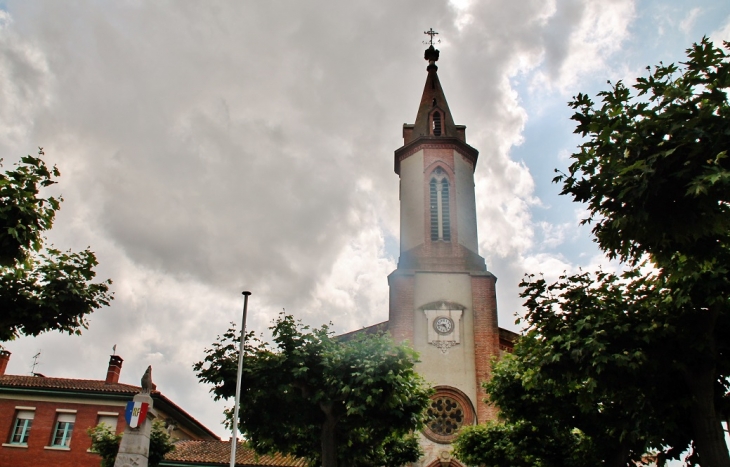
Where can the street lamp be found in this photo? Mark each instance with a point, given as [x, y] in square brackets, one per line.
[234, 438]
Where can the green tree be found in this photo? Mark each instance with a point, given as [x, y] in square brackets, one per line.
[589, 382]
[353, 402]
[654, 171]
[41, 289]
[615, 366]
[655, 174]
[106, 443]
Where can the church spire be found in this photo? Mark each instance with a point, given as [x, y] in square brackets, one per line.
[434, 117]
[442, 298]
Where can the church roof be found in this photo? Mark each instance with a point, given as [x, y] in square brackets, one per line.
[434, 123]
[433, 98]
[198, 452]
[374, 329]
[507, 338]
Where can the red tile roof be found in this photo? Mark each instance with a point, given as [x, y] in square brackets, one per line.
[42, 382]
[508, 335]
[94, 386]
[219, 452]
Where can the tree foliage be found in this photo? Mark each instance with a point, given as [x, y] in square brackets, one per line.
[589, 383]
[655, 169]
[354, 402]
[41, 289]
[612, 367]
[106, 443]
[523, 444]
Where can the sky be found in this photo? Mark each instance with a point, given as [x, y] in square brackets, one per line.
[207, 148]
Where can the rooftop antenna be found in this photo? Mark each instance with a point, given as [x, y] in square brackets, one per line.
[35, 362]
[432, 35]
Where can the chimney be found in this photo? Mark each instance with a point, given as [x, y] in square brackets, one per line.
[115, 368]
[4, 359]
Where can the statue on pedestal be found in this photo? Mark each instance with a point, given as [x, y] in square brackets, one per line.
[134, 450]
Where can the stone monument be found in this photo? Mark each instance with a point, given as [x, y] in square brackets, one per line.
[134, 449]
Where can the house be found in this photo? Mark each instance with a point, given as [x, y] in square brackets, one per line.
[44, 420]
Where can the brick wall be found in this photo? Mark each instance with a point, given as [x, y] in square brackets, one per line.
[486, 338]
[41, 433]
[401, 319]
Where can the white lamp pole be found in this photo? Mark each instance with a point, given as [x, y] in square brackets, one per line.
[234, 438]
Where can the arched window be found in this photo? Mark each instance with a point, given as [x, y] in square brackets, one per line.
[439, 206]
[436, 123]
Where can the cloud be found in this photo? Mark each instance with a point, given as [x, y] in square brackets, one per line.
[595, 31]
[721, 34]
[554, 235]
[25, 86]
[209, 148]
[687, 24]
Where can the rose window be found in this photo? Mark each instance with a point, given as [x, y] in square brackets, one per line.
[445, 416]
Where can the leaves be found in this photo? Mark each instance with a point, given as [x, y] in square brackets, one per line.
[40, 289]
[522, 444]
[592, 365]
[655, 174]
[105, 443]
[653, 169]
[612, 367]
[291, 387]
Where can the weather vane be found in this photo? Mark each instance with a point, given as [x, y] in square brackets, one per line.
[431, 33]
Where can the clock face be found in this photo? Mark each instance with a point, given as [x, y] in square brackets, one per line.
[443, 325]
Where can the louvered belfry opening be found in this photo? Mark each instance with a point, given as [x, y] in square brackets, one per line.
[439, 206]
[445, 217]
[437, 123]
[434, 210]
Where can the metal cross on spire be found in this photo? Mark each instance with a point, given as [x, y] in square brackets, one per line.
[431, 33]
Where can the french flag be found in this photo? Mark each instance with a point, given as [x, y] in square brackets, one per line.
[136, 413]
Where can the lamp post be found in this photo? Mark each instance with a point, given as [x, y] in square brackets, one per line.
[234, 438]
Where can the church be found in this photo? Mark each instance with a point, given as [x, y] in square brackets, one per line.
[443, 298]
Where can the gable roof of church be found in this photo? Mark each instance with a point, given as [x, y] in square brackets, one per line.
[373, 329]
[433, 98]
[507, 338]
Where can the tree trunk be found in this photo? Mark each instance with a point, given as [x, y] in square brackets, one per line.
[709, 436]
[329, 442]
[708, 433]
[621, 456]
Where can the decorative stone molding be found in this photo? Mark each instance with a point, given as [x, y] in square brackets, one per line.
[443, 346]
[435, 142]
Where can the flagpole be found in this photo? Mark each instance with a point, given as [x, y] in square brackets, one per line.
[234, 438]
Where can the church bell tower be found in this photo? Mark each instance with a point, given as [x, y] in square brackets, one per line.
[442, 297]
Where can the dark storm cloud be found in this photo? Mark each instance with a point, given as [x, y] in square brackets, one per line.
[223, 136]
